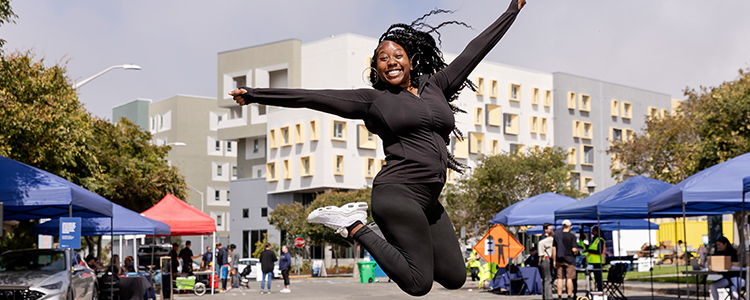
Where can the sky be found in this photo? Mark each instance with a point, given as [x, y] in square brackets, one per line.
[663, 46]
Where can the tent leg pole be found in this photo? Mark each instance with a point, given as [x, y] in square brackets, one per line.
[676, 264]
[213, 266]
[650, 256]
[687, 254]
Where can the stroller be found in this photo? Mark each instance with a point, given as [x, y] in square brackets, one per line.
[244, 281]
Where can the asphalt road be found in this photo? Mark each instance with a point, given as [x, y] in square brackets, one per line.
[312, 288]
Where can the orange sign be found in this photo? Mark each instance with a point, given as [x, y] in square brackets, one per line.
[498, 246]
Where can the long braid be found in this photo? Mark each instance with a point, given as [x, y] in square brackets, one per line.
[427, 59]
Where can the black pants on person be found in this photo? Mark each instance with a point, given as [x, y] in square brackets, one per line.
[285, 275]
[421, 245]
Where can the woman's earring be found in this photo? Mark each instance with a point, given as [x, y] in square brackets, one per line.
[415, 57]
[367, 74]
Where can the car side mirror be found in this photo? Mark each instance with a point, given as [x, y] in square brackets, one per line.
[78, 268]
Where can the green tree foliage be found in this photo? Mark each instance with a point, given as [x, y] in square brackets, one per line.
[6, 15]
[291, 219]
[44, 125]
[501, 180]
[711, 126]
[260, 246]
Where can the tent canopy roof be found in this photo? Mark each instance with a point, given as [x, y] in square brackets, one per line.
[182, 218]
[125, 222]
[535, 210]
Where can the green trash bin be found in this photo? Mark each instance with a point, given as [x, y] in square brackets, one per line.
[366, 271]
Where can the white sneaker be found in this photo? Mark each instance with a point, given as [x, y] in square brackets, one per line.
[339, 218]
[286, 291]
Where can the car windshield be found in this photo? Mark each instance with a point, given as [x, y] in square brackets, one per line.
[32, 261]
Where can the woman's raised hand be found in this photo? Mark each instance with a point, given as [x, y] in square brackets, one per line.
[237, 96]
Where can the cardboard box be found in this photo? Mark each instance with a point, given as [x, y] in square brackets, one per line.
[719, 263]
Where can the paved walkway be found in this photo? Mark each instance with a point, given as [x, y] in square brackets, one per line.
[313, 288]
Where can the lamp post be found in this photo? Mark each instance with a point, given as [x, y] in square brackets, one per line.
[199, 192]
[591, 186]
[126, 67]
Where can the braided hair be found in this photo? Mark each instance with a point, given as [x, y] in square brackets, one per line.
[426, 58]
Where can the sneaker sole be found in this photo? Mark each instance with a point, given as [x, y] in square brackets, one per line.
[347, 210]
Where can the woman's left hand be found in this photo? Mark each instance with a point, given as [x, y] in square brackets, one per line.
[237, 96]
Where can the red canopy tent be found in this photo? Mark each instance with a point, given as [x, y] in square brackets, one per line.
[183, 218]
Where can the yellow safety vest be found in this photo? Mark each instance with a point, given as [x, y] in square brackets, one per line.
[594, 258]
[474, 260]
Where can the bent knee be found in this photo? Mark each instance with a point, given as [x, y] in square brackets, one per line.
[420, 290]
[454, 282]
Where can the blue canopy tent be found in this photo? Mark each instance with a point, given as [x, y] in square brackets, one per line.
[31, 193]
[535, 210]
[609, 225]
[124, 222]
[715, 190]
[626, 200]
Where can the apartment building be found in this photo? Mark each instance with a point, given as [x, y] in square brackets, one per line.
[591, 115]
[189, 125]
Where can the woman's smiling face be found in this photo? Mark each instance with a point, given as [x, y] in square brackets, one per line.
[393, 64]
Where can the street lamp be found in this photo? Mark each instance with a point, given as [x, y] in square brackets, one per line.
[126, 67]
[199, 192]
[591, 186]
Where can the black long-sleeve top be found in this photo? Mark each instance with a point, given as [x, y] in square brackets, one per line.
[414, 129]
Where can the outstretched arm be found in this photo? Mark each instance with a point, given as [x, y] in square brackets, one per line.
[351, 104]
[452, 77]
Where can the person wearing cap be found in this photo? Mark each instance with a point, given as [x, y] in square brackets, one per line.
[545, 260]
[564, 250]
[93, 262]
[595, 255]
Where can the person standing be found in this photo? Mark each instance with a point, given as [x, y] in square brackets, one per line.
[267, 258]
[173, 259]
[222, 259]
[545, 260]
[595, 255]
[285, 264]
[564, 252]
[234, 263]
[186, 254]
[208, 258]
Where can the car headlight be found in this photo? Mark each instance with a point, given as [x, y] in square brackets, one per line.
[53, 286]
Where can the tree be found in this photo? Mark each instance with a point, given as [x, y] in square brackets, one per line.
[499, 181]
[711, 126]
[6, 15]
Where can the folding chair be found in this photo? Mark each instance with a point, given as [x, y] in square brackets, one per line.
[517, 282]
[614, 285]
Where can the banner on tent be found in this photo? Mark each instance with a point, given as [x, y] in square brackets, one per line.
[498, 246]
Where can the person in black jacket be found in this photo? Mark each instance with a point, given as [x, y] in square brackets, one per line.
[410, 109]
[267, 258]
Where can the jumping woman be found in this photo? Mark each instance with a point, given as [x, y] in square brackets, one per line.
[410, 108]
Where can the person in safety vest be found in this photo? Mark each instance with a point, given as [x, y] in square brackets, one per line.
[474, 265]
[595, 255]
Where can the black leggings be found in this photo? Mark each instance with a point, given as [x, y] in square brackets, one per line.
[285, 275]
[421, 244]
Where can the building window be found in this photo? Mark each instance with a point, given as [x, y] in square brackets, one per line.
[547, 98]
[494, 115]
[369, 167]
[306, 166]
[476, 142]
[366, 138]
[614, 108]
[535, 96]
[585, 183]
[338, 167]
[264, 212]
[286, 141]
[217, 146]
[245, 213]
[493, 88]
[534, 125]
[338, 131]
[256, 146]
[571, 100]
[577, 129]
[271, 172]
[314, 130]
[480, 86]
[588, 130]
[494, 147]
[219, 170]
[575, 180]
[515, 92]
[460, 147]
[299, 134]
[572, 156]
[218, 220]
[272, 139]
[520, 148]
[543, 128]
[510, 122]
[238, 82]
[217, 195]
[585, 103]
[234, 171]
[228, 193]
[261, 110]
[627, 110]
[478, 116]
[287, 170]
[229, 146]
[653, 112]
[616, 136]
[588, 155]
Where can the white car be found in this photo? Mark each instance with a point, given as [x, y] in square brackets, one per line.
[244, 262]
[46, 274]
